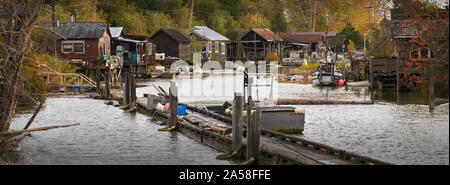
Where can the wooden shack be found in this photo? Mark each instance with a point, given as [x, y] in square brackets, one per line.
[313, 44]
[172, 43]
[84, 43]
[257, 45]
[214, 44]
[406, 30]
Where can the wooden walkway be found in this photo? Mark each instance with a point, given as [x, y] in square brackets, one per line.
[275, 147]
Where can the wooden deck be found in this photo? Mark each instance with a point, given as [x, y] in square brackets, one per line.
[275, 147]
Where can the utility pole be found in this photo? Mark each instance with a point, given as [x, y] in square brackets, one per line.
[257, 19]
[347, 5]
[192, 12]
[76, 12]
[369, 9]
[314, 16]
[54, 27]
[326, 37]
[364, 45]
[53, 14]
[94, 10]
[257, 15]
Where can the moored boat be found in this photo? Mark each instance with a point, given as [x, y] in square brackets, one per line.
[326, 74]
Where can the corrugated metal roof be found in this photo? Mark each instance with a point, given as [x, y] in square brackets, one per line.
[83, 30]
[130, 40]
[115, 31]
[174, 34]
[208, 33]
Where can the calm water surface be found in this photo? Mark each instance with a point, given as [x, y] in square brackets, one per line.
[400, 132]
[397, 133]
[106, 135]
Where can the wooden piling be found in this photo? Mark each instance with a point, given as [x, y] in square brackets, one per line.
[431, 92]
[132, 87]
[97, 81]
[397, 71]
[253, 136]
[125, 88]
[107, 83]
[173, 104]
[237, 122]
[371, 74]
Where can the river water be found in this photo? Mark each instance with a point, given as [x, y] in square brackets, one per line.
[106, 135]
[400, 131]
[403, 133]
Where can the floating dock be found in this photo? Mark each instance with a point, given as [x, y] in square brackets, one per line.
[275, 148]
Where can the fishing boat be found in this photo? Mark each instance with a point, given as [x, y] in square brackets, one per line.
[326, 74]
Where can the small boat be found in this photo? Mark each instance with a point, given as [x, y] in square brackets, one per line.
[282, 119]
[365, 83]
[326, 74]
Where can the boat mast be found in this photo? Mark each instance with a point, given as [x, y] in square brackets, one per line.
[326, 37]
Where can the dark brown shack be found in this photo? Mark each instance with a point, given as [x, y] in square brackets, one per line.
[258, 44]
[172, 43]
[85, 42]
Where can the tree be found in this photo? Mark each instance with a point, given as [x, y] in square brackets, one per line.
[15, 43]
[350, 33]
[383, 45]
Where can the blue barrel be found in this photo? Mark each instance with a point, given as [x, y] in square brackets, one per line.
[75, 89]
[181, 110]
[133, 58]
[82, 90]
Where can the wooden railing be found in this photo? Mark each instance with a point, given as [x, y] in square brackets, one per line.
[68, 79]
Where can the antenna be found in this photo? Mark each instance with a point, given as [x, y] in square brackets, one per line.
[326, 37]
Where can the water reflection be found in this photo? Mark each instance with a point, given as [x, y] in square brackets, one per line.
[106, 135]
[403, 133]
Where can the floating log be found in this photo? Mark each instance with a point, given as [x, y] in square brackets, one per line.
[320, 102]
[14, 132]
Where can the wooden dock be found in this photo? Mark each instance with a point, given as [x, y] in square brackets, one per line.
[274, 148]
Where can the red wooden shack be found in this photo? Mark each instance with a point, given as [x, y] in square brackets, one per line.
[84, 43]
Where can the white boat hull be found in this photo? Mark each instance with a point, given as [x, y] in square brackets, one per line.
[359, 84]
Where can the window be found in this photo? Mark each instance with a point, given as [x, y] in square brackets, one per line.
[216, 47]
[208, 47]
[78, 47]
[420, 53]
[104, 48]
[425, 53]
[222, 48]
[149, 48]
[73, 46]
[67, 48]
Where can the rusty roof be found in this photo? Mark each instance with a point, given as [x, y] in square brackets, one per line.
[265, 33]
[303, 37]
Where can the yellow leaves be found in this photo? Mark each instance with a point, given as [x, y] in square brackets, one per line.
[273, 58]
[258, 21]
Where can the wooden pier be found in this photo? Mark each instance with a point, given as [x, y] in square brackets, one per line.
[270, 147]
